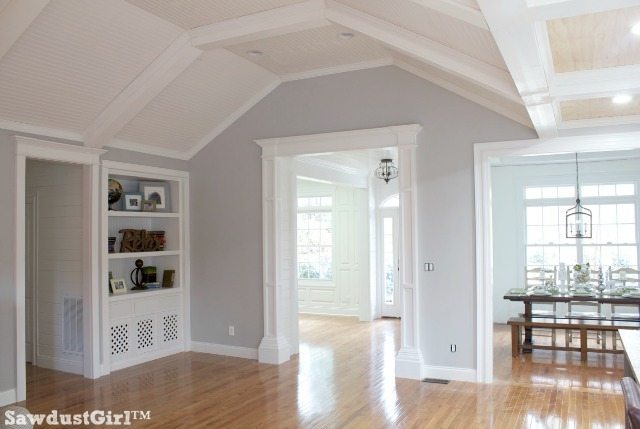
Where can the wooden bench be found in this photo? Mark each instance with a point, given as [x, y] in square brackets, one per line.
[583, 325]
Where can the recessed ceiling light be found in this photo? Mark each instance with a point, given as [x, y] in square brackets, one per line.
[254, 53]
[621, 99]
[346, 36]
[636, 29]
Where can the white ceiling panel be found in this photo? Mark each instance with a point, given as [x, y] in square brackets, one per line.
[448, 31]
[190, 14]
[311, 49]
[75, 58]
[215, 86]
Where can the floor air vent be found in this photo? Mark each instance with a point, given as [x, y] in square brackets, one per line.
[435, 380]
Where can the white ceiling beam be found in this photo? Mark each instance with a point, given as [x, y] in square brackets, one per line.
[144, 88]
[270, 23]
[424, 49]
[15, 18]
[456, 10]
[543, 10]
[596, 83]
[326, 71]
[505, 109]
[516, 39]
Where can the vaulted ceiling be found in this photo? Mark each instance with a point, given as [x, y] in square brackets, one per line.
[166, 77]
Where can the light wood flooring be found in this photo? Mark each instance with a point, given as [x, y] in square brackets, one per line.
[344, 378]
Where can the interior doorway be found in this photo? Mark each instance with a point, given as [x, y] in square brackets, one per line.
[389, 257]
[281, 335]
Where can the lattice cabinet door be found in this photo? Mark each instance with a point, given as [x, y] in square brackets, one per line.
[146, 333]
[121, 339]
[170, 329]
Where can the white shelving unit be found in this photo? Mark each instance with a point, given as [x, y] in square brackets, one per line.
[140, 326]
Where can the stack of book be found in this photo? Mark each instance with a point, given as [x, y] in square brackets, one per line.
[112, 245]
[159, 237]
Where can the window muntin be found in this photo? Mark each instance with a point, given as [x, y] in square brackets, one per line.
[315, 238]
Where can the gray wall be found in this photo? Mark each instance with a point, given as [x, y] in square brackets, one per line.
[226, 253]
[7, 243]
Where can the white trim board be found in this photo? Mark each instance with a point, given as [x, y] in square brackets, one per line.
[7, 397]
[224, 350]
[484, 154]
[449, 373]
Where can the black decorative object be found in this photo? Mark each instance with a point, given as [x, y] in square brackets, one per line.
[579, 223]
[386, 170]
[137, 276]
[115, 192]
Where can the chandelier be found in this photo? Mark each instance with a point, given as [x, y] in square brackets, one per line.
[386, 170]
[578, 217]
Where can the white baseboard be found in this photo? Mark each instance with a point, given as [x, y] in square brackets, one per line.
[7, 397]
[58, 364]
[328, 311]
[147, 357]
[449, 373]
[224, 350]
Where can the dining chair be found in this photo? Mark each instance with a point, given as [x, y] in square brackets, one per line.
[538, 277]
[585, 309]
[631, 395]
[626, 277]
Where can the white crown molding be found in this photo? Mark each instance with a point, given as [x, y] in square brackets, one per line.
[371, 138]
[505, 109]
[55, 133]
[456, 10]
[231, 119]
[144, 88]
[337, 69]
[275, 22]
[543, 10]
[15, 18]
[424, 49]
[43, 149]
[147, 149]
[600, 122]
[516, 37]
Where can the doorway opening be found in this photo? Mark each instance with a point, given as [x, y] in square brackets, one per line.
[280, 275]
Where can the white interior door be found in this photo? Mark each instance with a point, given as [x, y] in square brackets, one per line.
[30, 280]
[391, 306]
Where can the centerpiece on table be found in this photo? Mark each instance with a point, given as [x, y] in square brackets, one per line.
[581, 274]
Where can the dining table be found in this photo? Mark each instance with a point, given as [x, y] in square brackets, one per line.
[529, 298]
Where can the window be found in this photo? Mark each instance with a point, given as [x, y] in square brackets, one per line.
[614, 226]
[315, 238]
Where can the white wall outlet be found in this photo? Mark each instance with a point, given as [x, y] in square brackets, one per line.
[232, 330]
[428, 266]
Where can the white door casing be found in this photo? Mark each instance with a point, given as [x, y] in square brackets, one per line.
[279, 258]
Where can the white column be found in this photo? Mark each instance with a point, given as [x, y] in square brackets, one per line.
[275, 347]
[409, 358]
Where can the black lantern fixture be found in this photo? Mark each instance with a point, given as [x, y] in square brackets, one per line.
[386, 170]
[578, 217]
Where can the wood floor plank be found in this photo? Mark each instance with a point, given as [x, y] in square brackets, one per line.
[344, 378]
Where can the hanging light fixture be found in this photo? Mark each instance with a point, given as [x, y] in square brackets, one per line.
[386, 170]
[578, 217]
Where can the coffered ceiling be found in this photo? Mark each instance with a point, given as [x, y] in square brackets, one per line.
[166, 77]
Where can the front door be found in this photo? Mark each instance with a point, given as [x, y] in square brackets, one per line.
[390, 264]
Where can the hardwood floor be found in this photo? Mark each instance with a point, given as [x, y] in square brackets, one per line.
[344, 378]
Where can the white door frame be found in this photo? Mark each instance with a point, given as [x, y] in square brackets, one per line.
[279, 259]
[32, 148]
[484, 155]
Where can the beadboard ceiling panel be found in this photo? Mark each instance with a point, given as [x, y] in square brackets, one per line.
[75, 58]
[470, 3]
[448, 31]
[594, 41]
[311, 49]
[3, 4]
[190, 14]
[594, 108]
[215, 86]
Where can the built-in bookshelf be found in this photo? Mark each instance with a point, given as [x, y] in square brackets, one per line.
[141, 325]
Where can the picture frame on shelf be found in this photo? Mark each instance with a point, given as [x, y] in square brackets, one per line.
[133, 201]
[148, 206]
[168, 278]
[157, 192]
[118, 286]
